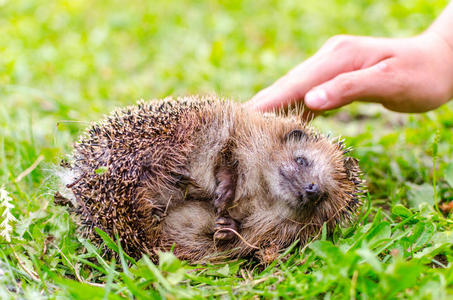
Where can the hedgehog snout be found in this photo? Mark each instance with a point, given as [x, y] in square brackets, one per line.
[311, 194]
[312, 191]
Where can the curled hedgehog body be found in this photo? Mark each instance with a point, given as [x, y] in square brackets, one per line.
[209, 179]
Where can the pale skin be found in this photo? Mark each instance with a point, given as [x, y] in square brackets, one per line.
[405, 75]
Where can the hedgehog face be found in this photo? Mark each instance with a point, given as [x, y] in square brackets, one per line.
[304, 173]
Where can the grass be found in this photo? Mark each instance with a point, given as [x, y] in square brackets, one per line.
[65, 63]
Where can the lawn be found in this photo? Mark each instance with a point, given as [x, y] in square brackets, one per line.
[66, 63]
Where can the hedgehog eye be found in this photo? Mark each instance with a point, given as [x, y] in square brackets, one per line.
[295, 135]
[301, 161]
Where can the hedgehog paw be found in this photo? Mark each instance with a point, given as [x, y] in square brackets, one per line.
[224, 227]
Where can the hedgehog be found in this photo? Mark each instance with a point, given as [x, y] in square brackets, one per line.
[208, 179]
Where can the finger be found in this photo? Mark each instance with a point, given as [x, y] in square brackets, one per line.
[293, 86]
[349, 54]
[371, 84]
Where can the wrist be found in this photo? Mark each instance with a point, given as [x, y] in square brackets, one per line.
[441, 47]
[442, 37]
[442, 26]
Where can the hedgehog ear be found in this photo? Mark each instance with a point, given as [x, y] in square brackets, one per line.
[295, 135]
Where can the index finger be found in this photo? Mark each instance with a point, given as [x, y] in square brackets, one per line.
[344, 54]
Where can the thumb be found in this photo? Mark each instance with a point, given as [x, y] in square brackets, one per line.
[370, 84]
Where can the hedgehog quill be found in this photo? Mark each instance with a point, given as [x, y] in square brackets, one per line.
[209, 179]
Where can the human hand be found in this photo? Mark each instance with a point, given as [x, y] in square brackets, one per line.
[406, 75]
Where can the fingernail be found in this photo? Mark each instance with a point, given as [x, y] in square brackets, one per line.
[316, 98]
[251, 104]
[382, 66]
[255, 106]
[256, 101]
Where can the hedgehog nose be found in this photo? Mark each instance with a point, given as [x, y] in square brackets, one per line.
[313, 191]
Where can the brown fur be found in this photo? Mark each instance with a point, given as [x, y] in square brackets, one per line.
[173, 167]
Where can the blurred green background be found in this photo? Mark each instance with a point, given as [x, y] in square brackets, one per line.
[73, 58]
[76, 60]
